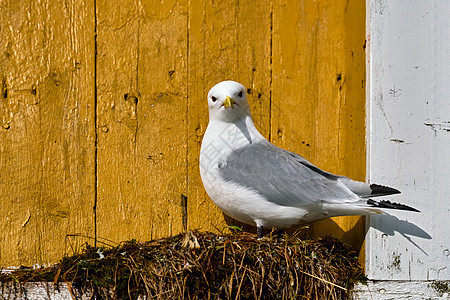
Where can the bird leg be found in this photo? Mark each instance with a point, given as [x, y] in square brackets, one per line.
[259, 231]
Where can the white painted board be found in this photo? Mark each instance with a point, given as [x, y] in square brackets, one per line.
[408, 130]
[402, 290]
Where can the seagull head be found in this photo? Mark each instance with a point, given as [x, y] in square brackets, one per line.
[227, 101]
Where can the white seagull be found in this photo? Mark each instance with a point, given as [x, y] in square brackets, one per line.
[257, 183]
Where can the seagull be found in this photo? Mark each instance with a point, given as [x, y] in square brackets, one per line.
[260, 184]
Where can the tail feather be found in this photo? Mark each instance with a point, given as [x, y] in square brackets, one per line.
[381, 190]
[390, 205]
[365, 190]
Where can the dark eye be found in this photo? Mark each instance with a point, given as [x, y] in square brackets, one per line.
[214, 99]
[240, 94]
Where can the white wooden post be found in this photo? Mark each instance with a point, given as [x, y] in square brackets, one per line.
[408, 131]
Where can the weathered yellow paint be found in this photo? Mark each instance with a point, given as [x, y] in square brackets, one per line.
[227, 40]
[142, 118]
[318, 104]
[145, 89]
[47, 136]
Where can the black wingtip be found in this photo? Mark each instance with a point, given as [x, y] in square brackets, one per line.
[390, 205]
[381, 190]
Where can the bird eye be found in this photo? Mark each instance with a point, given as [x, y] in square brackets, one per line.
[240, 94]
[214, 99]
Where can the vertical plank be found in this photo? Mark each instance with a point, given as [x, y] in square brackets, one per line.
[319, 92]
[408, 132]
[228, 40]
[47, 131]
[163, 73]
[142, 106]
[156, 63]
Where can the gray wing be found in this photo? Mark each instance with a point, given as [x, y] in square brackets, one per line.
[283, 177]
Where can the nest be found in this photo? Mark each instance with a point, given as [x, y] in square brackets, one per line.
[201, 265]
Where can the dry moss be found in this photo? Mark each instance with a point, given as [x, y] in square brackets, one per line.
[198, 265]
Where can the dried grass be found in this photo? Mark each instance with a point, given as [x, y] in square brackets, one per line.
[199, 265]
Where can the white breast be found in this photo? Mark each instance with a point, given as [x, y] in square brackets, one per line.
[239, 202]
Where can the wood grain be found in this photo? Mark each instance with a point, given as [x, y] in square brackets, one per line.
[47, 135]
[103, 103]
[408, 142]
[318, 105]
[227, 41]
[142, 107]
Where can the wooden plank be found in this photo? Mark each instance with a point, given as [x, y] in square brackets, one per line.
[409, 138]
[40, 291]
[47, 131]
[318, 92]
[142, 107]
[303, 64]
[228, 40]
[395, 289]
[380, 290]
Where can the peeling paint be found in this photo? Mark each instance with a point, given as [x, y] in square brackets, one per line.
[396, 262]
[395, 92]
[441, 287]
[435, 126]
[408, 126]
[27, 219]
[398, 141]
[391, 289]
[379, 102]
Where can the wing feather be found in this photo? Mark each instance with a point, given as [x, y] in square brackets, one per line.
[283, 177]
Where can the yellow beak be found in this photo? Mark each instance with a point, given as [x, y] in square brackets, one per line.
[228, 102]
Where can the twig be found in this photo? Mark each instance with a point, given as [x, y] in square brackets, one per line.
[321, 279]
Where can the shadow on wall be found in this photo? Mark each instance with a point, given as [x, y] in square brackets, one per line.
[389, 224]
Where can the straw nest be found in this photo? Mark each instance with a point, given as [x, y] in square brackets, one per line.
[202, 265]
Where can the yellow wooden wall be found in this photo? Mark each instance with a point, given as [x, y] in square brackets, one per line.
[102, 110]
